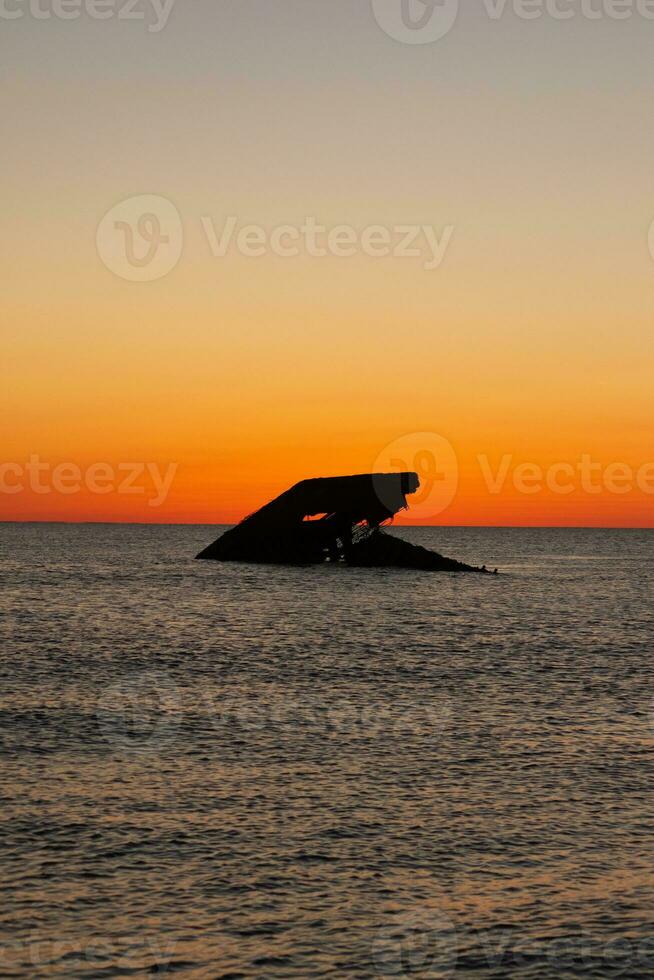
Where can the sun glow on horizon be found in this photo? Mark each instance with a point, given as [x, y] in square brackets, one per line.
[512, 320]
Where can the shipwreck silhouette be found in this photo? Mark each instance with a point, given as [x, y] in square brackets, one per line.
[336, 518]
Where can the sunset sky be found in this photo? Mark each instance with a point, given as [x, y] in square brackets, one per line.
[532, 340]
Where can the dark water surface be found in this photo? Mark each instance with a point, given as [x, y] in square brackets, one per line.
[241, 771]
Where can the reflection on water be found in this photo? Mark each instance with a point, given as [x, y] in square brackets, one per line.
[224, 770]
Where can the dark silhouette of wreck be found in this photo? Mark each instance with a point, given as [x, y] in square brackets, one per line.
[335, 518]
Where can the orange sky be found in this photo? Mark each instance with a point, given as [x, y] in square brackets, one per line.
[531, 341]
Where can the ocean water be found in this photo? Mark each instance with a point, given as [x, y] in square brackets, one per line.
[241, 771]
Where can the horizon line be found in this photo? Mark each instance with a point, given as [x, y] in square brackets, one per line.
[508, 527]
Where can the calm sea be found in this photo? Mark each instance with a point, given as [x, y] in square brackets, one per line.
[245, 771]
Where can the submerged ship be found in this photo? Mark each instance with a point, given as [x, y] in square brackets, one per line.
[336, 519]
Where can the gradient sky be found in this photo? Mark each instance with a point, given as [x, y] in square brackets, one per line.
[533, 340]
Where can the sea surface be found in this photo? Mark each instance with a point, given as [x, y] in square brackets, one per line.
[221, 770]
